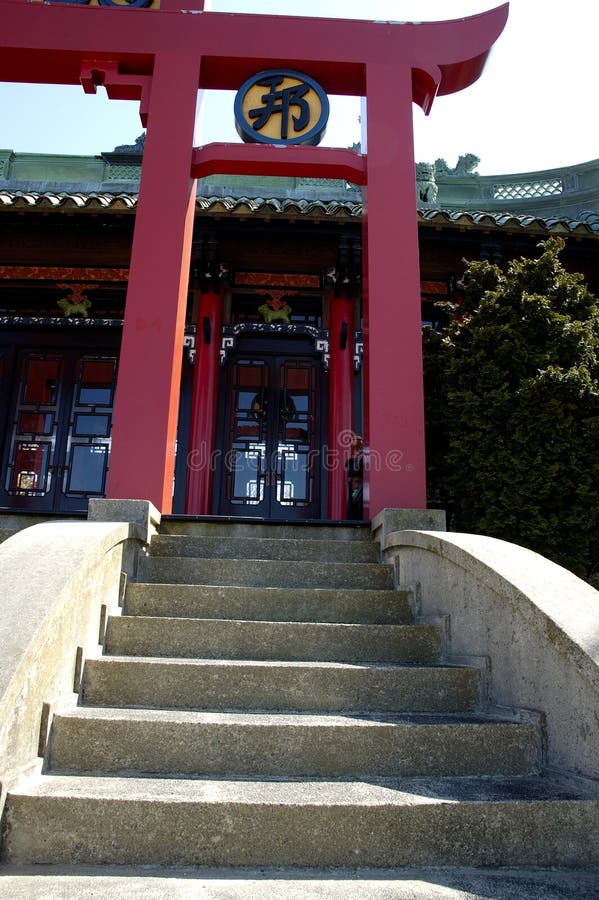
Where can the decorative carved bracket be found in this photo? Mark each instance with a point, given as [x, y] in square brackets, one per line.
[358, 350]
[320, 336]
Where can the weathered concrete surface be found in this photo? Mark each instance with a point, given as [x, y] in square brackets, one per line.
[265, 573]
[136, 512]
[390, 520]
[157, 883]
[12, 523]
[287, 744]
[250, 822]
[259, 788]
[271, 604]
[231, 684]
[17, 521]
[536, 622]
[257, 529]
[54, 578]
[240, 639]
[266, 548]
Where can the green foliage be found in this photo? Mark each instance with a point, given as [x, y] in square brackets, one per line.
[512, 392]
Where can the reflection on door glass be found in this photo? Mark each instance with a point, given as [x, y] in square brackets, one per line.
[293, 471]
[35, 423]
[86, 424]
[271, 414]
[29, 468]
[88, 440]
[41, 380]
[96, 382]
[248, 467]
[88, 469]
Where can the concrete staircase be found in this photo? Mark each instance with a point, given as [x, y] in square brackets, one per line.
[267, 700]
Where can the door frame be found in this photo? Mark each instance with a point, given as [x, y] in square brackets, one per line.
[275, 345]
[75, 338]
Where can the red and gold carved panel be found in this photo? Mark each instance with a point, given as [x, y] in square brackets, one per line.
[277, 279]
[62, 273]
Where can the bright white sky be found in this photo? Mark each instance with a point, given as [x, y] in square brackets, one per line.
[534, 107]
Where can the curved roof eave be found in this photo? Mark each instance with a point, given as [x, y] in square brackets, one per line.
[294, 208]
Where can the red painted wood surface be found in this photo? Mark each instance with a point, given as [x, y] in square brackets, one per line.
[341, 380]
[202, 433]
[142, 457]
[265, 159]
[154, 56]
[394, 457]
[46, 43]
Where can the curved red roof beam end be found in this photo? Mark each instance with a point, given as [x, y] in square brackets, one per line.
[460, 48]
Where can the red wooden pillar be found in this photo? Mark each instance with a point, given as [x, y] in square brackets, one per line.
[395, 473]
[200, 457]
[341, 380]
[147, 395]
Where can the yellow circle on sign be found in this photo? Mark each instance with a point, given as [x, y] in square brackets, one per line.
[281, 107]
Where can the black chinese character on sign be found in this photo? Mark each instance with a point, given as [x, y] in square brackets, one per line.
[280, 101]
[300, 102]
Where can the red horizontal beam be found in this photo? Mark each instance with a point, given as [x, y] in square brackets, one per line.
[46, 43]
[269, 159]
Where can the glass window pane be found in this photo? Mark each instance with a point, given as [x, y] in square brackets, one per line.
[248, 486]
[297, 379]
[250, 374]
[96, 382]
[85, 424]
[95, 396]
[246, 429]
[35, 423]
[29, 468]
[97, 371]
[301, 402]
[297, 431]
[41, 382]
[294, 485]
[88, 466]
[246, 399]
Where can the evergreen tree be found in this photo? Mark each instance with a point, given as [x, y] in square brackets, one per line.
[513, 409]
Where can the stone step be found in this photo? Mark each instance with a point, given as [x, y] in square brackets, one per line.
[237, 685]
[499, 821]
[270, 604]
[285, 744]
[239, 639]
[256, 529]
[208, 547]
[80, 882]
[6, 533]
[265, 573]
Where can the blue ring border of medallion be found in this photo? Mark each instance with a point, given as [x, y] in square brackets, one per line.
[249, 133]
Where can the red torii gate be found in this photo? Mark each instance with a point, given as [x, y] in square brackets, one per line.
[161, 58]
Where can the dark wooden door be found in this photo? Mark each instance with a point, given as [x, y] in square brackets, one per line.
[58, 430]
[270, 449]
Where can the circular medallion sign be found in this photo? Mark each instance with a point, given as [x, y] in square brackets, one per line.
[281, 106]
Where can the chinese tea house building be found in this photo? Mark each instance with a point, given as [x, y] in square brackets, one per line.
[271, 383]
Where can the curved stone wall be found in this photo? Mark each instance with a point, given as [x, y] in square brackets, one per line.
[535, 623]
[58, 580]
